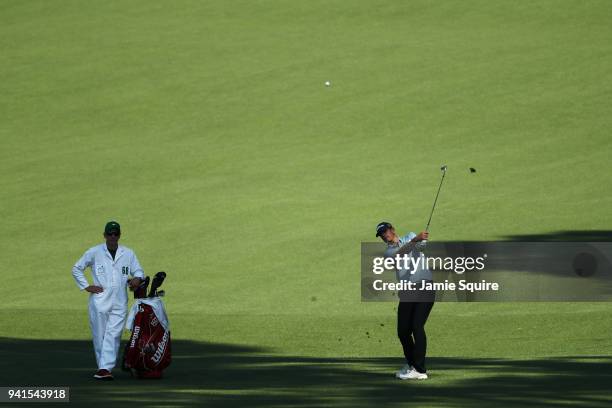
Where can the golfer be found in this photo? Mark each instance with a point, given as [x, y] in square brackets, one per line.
[414, 307]
[111, 266]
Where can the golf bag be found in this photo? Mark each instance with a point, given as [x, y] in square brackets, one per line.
[148, 351]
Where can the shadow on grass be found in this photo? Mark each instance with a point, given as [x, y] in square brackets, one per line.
[566, 236]
[226, 375]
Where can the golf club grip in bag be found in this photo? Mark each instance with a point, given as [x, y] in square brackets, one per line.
[148, 351]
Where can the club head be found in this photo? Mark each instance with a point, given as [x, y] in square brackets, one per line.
[157, 281]
[444, 167]
[141, 291]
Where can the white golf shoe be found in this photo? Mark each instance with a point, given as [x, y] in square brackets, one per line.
[412, 375]
[403, 371]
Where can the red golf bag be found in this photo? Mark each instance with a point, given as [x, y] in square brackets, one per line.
[148, 351]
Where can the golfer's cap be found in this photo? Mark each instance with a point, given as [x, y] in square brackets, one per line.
[382, 227]
[112, 226]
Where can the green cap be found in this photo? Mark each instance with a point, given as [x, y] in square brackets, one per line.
[112, 226]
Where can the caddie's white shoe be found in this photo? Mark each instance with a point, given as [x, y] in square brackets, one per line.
[403, 371]
[412, 375]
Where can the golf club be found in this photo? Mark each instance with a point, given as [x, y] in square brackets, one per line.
[443, 168]
[141, 290]
[158, 279]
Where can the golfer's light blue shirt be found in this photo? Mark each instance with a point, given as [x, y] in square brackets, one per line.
[421, 272]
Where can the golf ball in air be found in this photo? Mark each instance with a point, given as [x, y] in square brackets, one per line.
[327, 83]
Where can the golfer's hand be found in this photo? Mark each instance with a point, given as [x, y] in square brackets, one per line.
[424, 235]
[94, 289]
[134, 283]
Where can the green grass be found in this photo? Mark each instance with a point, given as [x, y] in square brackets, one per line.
[206, 130]
[215, 374]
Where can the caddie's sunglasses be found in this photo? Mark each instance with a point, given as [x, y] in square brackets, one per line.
[114, 233]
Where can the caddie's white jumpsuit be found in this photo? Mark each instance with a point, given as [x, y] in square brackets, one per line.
[107, 310]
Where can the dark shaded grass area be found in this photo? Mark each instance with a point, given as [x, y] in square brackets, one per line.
[228, 375]
[566, 236]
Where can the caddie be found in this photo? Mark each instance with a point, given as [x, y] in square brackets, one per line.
[112, 265]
